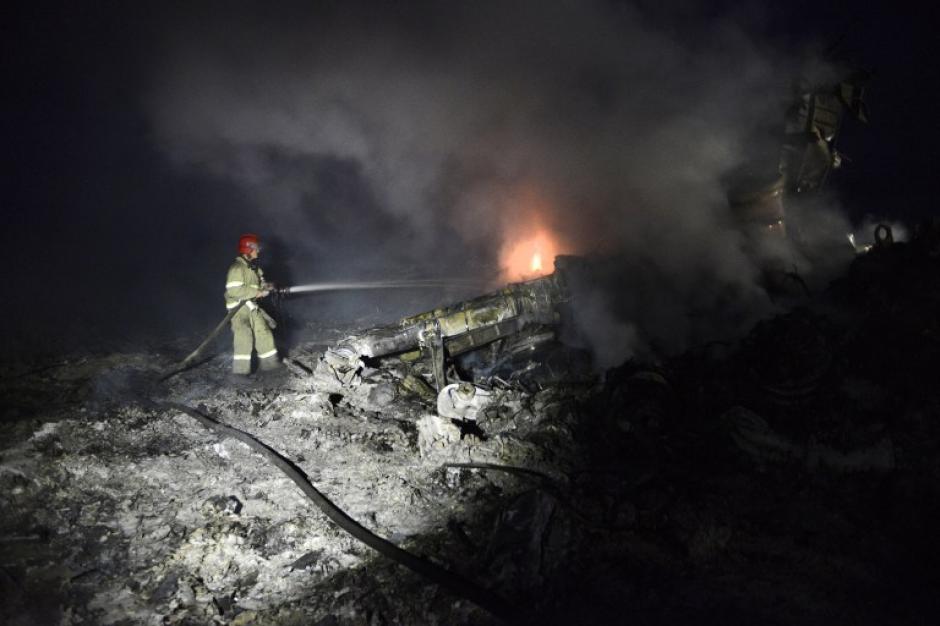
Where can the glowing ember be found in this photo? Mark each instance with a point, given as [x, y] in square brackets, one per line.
[523, 259]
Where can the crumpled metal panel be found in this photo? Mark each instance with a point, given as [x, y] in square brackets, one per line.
[534, 301]
[459, 328]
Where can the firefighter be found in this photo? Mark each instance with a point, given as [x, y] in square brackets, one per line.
[251, 325]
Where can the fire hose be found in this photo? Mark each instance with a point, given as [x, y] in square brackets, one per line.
[457, 584]
[195, 354]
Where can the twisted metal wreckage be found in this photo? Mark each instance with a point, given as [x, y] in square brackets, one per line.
[517, 318]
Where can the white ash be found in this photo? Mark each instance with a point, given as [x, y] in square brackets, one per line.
[129, 504]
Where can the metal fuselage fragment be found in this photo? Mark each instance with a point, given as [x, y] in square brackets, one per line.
[455, 329]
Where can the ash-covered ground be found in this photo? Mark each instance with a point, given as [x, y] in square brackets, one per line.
[789, 476]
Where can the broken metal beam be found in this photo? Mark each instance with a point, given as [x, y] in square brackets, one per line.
[455, 329]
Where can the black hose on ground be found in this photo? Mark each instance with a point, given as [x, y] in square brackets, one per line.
[454, 582]
[188, 361]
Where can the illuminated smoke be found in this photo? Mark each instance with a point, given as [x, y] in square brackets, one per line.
[449, 137]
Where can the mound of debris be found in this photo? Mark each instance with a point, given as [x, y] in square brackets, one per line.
[488, 476]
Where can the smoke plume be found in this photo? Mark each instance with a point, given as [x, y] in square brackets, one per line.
[427, 139]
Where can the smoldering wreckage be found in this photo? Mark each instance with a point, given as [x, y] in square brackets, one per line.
[466, 465]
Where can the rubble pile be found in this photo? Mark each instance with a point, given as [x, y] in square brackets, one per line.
[787, 477]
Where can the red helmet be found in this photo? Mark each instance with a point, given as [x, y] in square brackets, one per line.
[247, 243]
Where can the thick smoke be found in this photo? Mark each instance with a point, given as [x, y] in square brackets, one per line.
[427, 139]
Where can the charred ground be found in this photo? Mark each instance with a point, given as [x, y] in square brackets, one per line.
[790, 476]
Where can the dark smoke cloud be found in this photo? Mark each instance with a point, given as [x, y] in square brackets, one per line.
[377, 140]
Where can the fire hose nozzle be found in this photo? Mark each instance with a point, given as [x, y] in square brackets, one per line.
[283, 291]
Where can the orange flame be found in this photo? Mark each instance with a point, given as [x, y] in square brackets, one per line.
[536, 265]
[523, 259]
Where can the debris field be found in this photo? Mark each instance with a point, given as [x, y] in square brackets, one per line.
[787, 476]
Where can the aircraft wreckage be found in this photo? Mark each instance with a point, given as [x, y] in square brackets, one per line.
[481, 338]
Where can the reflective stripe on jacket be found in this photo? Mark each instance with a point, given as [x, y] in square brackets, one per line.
[243, 282]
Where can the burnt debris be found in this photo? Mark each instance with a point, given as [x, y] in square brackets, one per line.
[787, 476]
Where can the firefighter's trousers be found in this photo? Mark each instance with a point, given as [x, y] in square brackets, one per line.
[251, 330]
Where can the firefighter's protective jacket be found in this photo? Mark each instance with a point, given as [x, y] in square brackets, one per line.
[243, 282]
[251, 326]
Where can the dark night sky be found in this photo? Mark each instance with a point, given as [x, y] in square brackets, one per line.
[107, 236]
